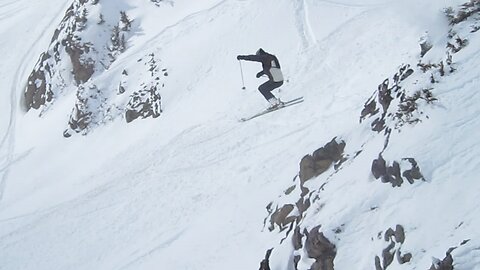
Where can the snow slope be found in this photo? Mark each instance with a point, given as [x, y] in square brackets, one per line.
[188, 190]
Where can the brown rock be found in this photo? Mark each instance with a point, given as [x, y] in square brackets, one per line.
[318, 247]
[378, 266]
[388, 255]
[307, 168]
[399, 234]
[280, 216]
[297, 238]
[379, 167]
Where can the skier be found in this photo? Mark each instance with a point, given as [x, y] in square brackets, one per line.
[271, 68]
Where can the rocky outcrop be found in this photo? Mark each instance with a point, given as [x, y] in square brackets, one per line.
[447, 262]
[144, 103]
[321, 160]
[379, 108]
[311, 165]
[393, 173]
[89, 109]
[316, 247]
[82, 49]
[68, 54]
[39, 90]
[147, 101]
[395, 239]
[463, 13]
[265, 263]
[405, 99]
[397, 102]
[407, 96]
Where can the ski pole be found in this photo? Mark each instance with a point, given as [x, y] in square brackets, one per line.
[241, 72]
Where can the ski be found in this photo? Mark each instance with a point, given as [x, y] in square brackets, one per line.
[269, 110]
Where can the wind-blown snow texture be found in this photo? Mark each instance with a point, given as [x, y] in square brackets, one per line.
[121, 145]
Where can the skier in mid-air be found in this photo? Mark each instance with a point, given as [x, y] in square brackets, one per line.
[271, 68]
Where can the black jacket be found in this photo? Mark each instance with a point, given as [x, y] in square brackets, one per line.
[270, 65]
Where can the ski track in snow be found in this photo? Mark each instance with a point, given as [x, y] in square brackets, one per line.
[163, 245]
[303, 24]
[166, 32]
[321, 47]
[10, 9]
[21, 71]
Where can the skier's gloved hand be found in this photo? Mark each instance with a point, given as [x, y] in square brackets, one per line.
[240, 57]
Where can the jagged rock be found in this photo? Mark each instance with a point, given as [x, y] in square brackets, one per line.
[379, 167]
[38, 91]
[296, 259]
[378, 124]
[47, 77]
[331, 151]
[467, 10]
[305, 191]
[318, 247]
[393, 237]
[322, 265]
[402, 259]
[384, 95]
[310, 166]
[378, 265]
[307, 168]
[464, 242]
[290, 190]
[388, 234]
[302, 205]
[80, 48]
[393, 175]
[406, 74]
[80, 117]
[67, 134]
[83, 67]
[265, 264]
[144, 103]
[399, 234]
[445, 264]
[321, 165]
[413, 173]
[281, 217]
[297, 239]
[321, 160]
[88, 101]
[388, 255]
[425, 46]
[370, 108]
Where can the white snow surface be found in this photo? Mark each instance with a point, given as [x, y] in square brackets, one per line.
[188, 190]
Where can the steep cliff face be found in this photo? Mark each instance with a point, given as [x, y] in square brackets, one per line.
[92, 35]
[314, 234]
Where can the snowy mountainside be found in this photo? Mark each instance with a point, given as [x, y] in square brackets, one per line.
[130, 154]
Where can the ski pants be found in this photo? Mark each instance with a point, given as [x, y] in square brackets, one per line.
[267, 87]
